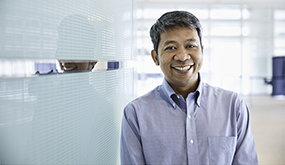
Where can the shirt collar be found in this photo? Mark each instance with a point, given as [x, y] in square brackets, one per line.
[168, 91]
[199, 90]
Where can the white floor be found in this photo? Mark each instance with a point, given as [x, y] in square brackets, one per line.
[268, 126]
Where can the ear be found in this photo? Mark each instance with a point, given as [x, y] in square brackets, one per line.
[155, 57]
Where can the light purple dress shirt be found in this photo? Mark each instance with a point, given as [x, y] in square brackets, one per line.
[211, 127]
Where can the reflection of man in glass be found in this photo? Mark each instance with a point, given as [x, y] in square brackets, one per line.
[76, 66]
[73, 45]
[73, 122]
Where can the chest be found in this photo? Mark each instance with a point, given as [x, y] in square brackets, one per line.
[182, 137]
[175, 122]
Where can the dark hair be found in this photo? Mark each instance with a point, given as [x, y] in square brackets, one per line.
[174, 19]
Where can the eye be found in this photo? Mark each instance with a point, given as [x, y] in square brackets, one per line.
[170, 48]
[191, 46]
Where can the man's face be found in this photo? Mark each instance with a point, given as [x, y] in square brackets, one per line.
[78, 66]
[180, 56]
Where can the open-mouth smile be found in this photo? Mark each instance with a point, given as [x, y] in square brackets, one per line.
[183, 68]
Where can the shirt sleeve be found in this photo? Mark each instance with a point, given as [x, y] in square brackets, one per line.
[130, 145]
[245, 149]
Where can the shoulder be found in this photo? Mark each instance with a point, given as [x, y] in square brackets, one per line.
[219, 93]
[224, 102]
[145, 101]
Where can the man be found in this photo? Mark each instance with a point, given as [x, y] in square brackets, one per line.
[76, 66]
[76, 38]
[184, 120]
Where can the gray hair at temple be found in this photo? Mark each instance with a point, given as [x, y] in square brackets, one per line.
[174, 19]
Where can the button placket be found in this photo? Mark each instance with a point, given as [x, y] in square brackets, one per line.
[191, 134]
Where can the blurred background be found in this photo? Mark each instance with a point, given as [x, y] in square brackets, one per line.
[244, 51]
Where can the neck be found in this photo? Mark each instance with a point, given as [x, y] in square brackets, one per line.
[184, 90]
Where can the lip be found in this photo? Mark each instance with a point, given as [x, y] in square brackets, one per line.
[184, 68]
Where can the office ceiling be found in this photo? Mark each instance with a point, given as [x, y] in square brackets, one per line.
[268, 3]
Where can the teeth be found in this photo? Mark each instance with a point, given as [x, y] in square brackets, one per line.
[183, 68]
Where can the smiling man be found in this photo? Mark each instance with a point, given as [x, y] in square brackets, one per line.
[184, 120]
[179, 55]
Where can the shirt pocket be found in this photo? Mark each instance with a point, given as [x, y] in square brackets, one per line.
[221, 150]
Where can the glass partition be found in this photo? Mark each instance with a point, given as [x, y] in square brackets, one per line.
[65, 77]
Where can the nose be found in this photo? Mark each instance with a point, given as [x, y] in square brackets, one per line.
[182, 55]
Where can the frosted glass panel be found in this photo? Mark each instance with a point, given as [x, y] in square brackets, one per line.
[61, 29]
[61, 118]
[67, 119]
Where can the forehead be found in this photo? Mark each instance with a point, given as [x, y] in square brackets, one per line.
[179, 33]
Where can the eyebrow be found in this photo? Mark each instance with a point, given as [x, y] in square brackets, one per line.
[191, 40]
[174, 42]
[169, 42]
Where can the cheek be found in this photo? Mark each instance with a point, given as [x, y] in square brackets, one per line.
[198, 58]
[201, 63]
[165, 59]
[164, 63]
[82, 67]
[198, 61]
[164, 66]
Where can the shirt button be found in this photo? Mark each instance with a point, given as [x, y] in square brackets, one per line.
[189, 116]
[173, 105]
[191, 141]
[178, 97]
